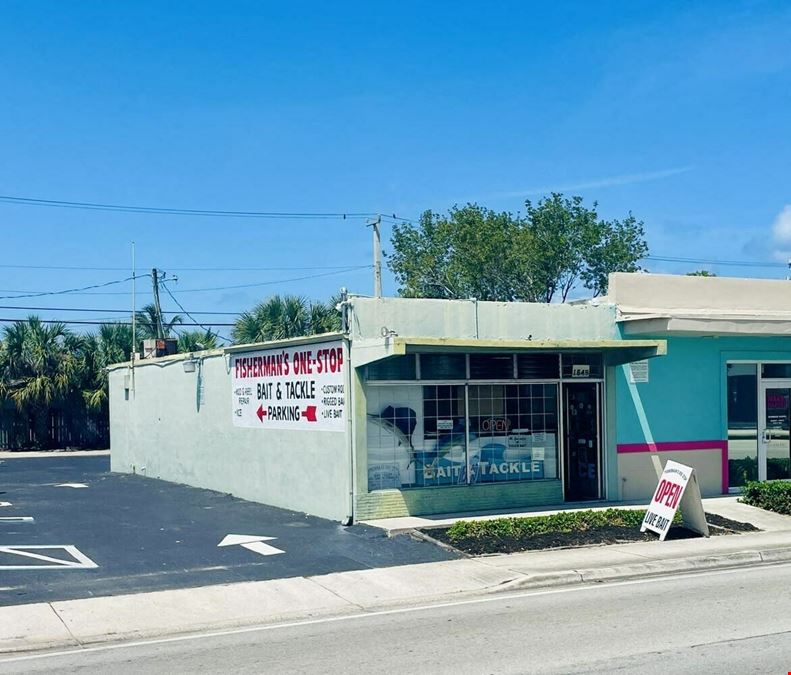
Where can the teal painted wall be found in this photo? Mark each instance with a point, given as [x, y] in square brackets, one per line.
[684, 399]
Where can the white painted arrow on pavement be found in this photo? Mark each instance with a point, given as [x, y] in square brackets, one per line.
[72, 485]
[251, 542]
[5, 503]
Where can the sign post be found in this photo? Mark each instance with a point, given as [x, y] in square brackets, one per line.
[298, 388]
[677, 489]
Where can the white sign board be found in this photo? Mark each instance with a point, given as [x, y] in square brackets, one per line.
[297, 388]
[677, 488]
[638, 371]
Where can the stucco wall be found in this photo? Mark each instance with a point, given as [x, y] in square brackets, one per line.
[162, 431]
[684, 400]
[638, 476]
[411, 317]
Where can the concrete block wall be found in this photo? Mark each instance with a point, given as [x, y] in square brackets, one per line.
[166, 428]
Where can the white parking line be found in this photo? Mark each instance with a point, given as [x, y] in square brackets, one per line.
[78, 561]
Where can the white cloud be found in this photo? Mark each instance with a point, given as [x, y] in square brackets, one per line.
[610, 181]
[781, 234]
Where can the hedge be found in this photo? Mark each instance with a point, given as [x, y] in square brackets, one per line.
[772, 495]
[566, 521]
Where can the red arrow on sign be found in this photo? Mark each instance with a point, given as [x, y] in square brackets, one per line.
[309, 413]
[261, 412]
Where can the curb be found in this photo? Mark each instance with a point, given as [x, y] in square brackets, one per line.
[38, 627]
[650, 568]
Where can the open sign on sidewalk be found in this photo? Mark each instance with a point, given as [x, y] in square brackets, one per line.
[677, 488]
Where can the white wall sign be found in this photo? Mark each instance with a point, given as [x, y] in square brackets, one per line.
[677, 488]
[638, 371]
[297, 388]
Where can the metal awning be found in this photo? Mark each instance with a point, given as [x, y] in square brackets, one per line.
[615, 352]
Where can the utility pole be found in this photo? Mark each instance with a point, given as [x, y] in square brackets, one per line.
[134, 317]
[155, 278]
[377, 256]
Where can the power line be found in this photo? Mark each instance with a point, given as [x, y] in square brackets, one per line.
[81, 291]
[181, 307]
[726, 263]
[94, 322]
[37, 294]
[93, 206]
[175, 269]
[108, 311]
[278, 281]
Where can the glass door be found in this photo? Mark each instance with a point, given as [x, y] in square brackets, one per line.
[774, 445]
[582, 449]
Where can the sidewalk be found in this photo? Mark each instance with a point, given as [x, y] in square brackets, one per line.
[80, 622]
[28, 454]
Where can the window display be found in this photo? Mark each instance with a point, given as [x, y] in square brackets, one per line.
[456, 434]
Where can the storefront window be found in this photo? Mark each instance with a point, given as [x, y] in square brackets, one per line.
[776, 370]
[394, 368]
[456, 434]
[513, 432]
[443, 366]
[491, 366]
[742, 423]
[537, 366]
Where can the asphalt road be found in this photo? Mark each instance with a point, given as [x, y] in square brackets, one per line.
[714, 622]
[144, 534]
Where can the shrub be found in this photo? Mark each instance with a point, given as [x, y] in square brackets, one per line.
[771, 495]
[565, 521]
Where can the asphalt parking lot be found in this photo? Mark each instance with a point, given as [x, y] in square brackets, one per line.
[128, 534]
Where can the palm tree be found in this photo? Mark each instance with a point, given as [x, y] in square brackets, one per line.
[147, 323]
[281, 317]
[112, 345]
[196, 340]
[40, 365]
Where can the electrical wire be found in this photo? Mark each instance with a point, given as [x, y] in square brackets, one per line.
[82, 291]
[37, 294]
[181, 307]
[94, 322]
[92, 206]
[278, 281]
[113, 311]
[176, 269]
[726, 263]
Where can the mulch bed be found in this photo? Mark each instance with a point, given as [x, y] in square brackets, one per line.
[595, 536]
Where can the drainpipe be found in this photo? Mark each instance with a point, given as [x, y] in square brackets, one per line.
[350, 409]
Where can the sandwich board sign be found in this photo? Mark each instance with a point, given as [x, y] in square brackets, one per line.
[677, 489]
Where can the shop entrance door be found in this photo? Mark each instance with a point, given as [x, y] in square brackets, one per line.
[774, 418]
[582, 446]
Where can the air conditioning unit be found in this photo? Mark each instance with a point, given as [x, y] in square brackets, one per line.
[159, 347]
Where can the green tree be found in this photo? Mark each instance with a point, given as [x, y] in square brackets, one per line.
[146, 320]
[471, 252]
[701, 273]
[196, 340]
[287, 316]
[113, 344]
[476, 252]
[40, 365]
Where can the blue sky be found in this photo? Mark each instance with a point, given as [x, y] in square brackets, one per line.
[676, 111]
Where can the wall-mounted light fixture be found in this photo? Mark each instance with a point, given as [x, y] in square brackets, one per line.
[189, 365]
